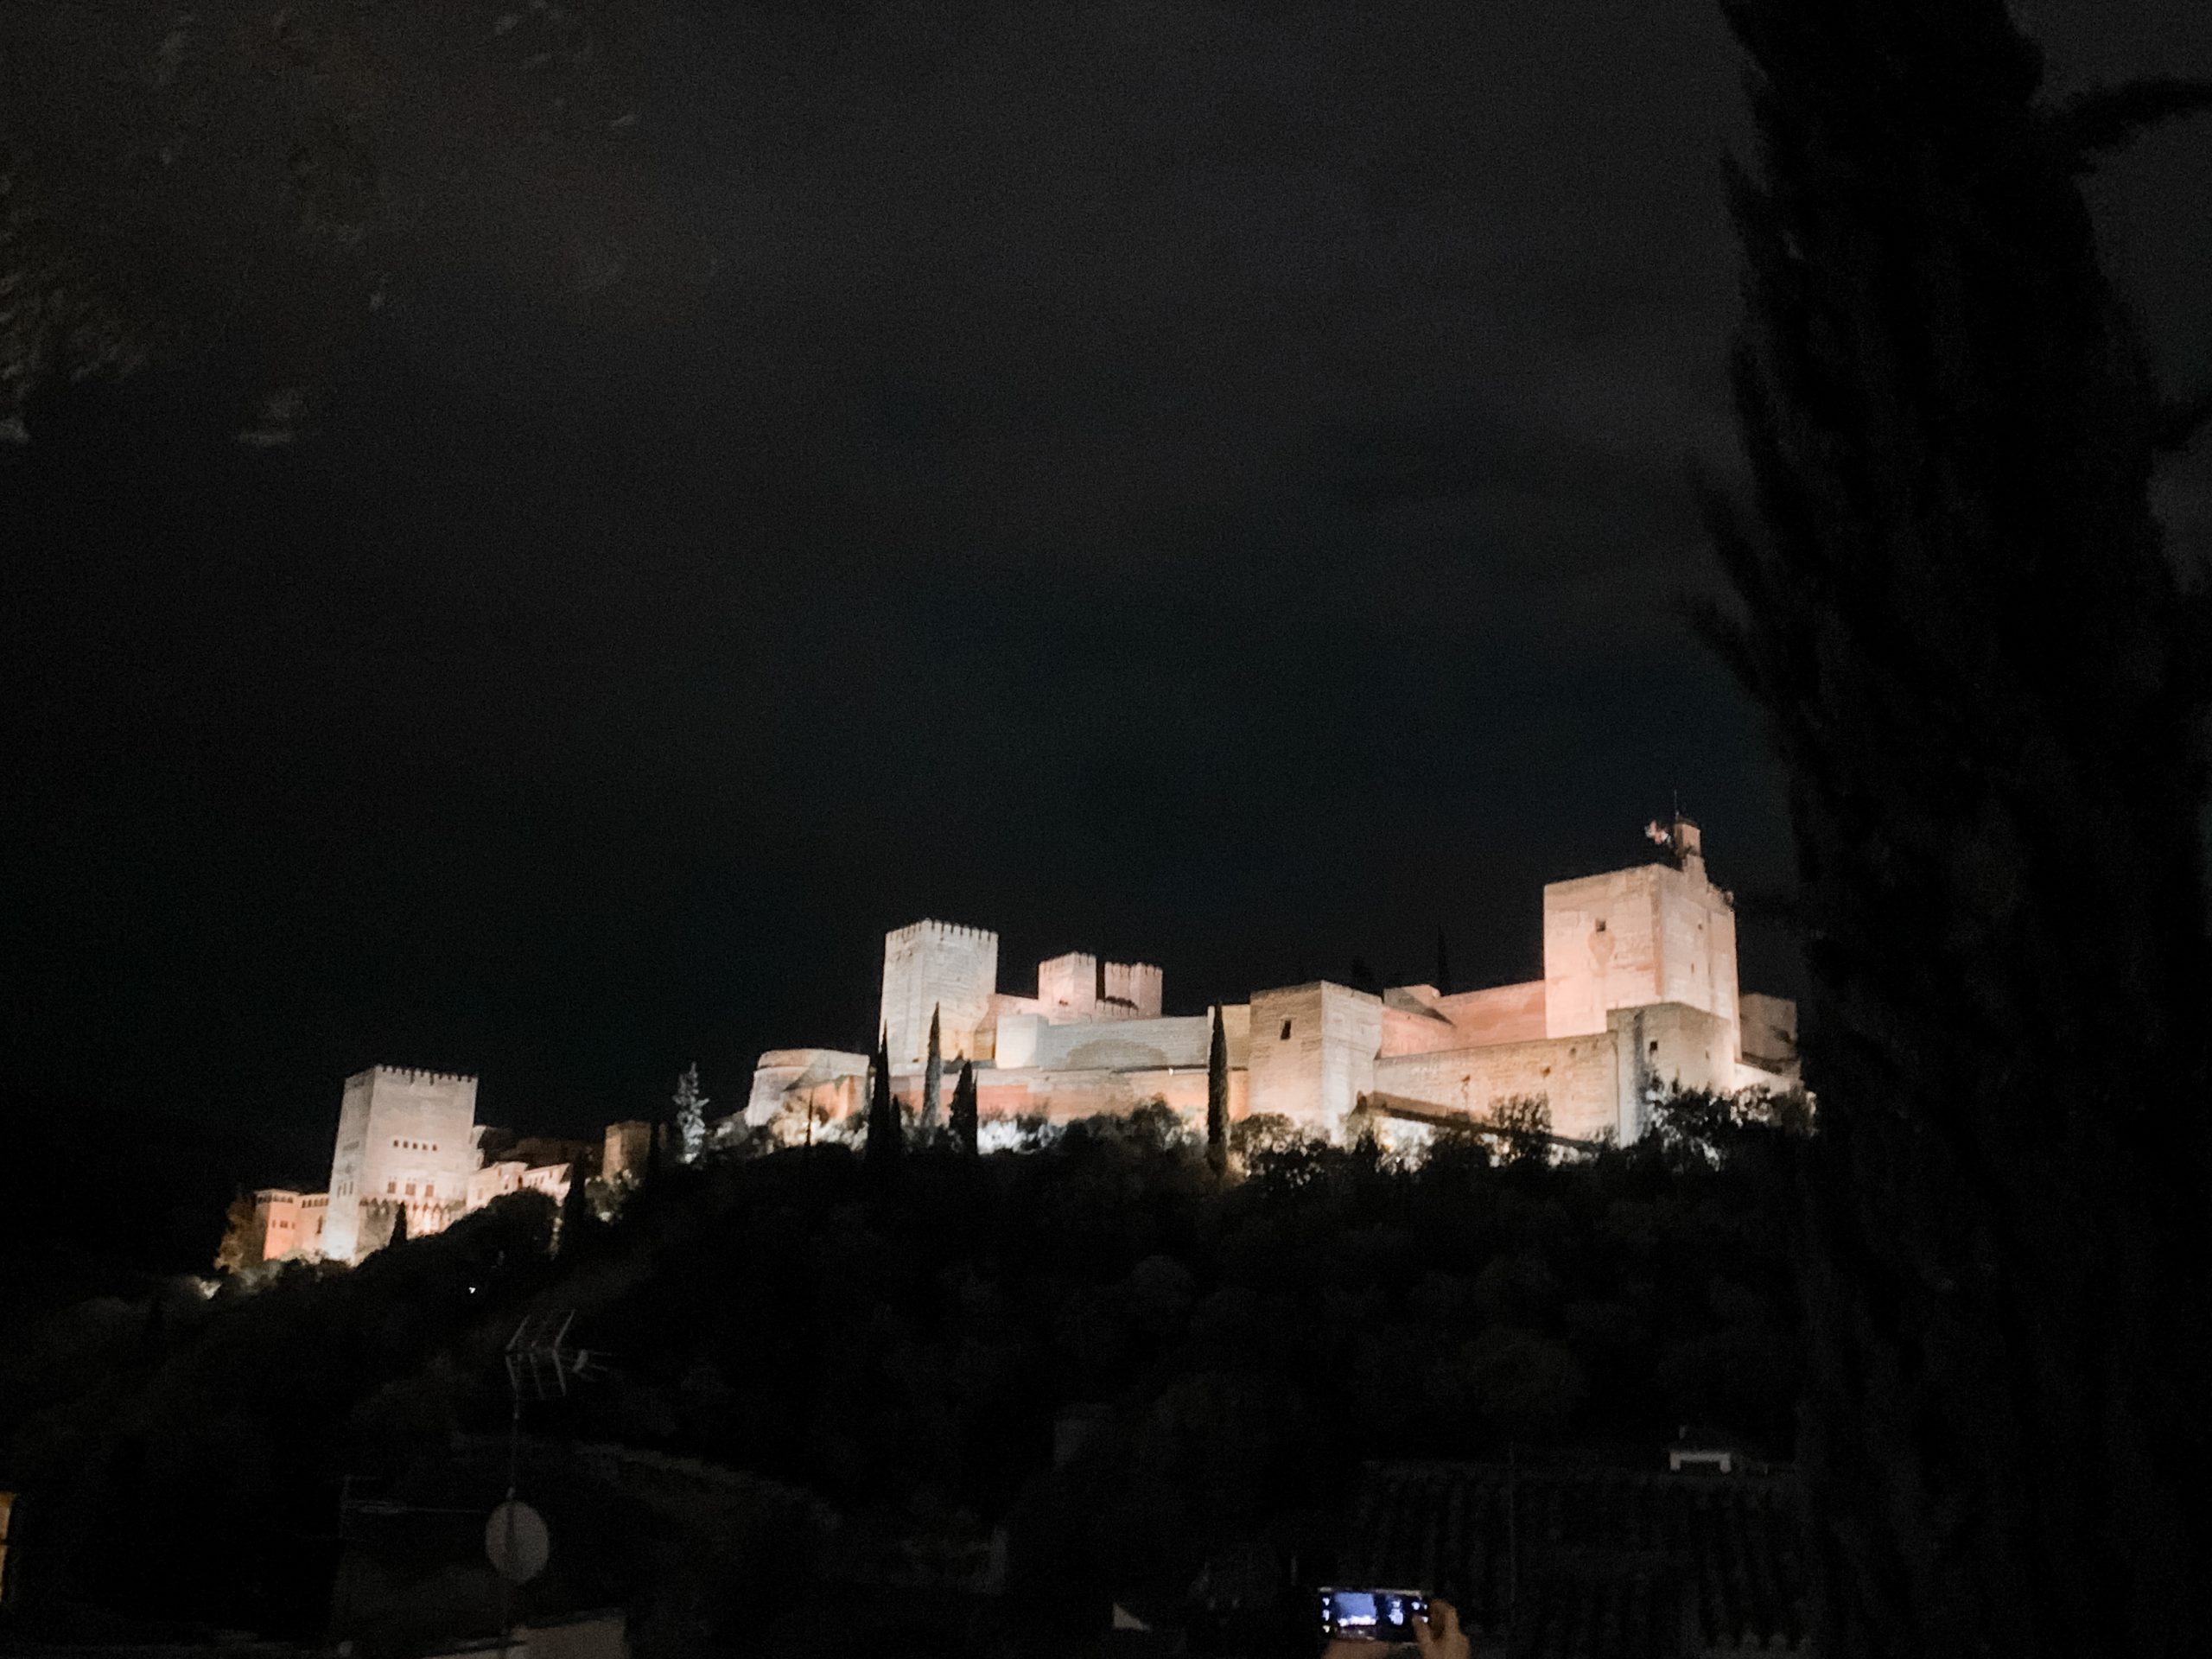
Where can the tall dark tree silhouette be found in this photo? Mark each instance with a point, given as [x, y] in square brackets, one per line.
[880, 1154]
[1443, 965]
[932, 1074]
[1218, 1096]
[1986, 680]
[966, 1130]
[398, 1225]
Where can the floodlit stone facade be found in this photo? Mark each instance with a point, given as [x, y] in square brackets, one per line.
[1639, 996]
[408, 1144]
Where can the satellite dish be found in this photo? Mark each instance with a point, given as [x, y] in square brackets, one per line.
[516, 1541]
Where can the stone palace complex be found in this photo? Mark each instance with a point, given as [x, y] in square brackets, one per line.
[1639, 995]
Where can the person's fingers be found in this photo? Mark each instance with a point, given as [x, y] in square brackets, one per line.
[1426, 1636]
[1438, 1635]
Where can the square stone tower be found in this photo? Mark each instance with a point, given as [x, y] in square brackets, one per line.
[941, 967]
[1630, 938]
[1312, 1053]
[406, 1141]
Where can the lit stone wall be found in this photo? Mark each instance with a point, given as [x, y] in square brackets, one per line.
[495, 1181]
[628, 1147]
[1575, 1077]
[1118, 1045]
[1063, 1096]
[406, 1140]
[287, 1224]
[1768, 1034]
[830, 1076]
[1502, 1013]
[938, 966]
[1661, 1048]
[1312, 1051]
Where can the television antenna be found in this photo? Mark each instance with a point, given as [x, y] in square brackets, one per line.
[540, 1364]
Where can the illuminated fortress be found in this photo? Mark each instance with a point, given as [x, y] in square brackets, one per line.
[1639, 996]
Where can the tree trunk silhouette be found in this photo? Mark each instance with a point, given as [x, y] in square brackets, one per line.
[965, 1128]
[1985, 681]
[932, 1076]
[1217, 1096]
[880, 1156]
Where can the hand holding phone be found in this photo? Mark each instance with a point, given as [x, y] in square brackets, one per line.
[1354, 1621]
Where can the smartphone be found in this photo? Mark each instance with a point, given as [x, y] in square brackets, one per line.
[1371, 1615]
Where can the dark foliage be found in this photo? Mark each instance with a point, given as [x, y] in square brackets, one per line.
[1986, 681]
[886, 1139]
[906, 1358]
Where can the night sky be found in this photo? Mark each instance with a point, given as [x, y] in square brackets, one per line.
[1202, 483]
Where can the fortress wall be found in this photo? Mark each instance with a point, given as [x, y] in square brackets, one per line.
[1062, 1097]
[1311, 1052]
[1503, 1014]
[1236, 1031]
[1767, 1031]
[782, 1071]
[1416, 1030]
[628, 1147]
[1576, 1078]
[941, 967]
[287, 1224]
[1120, 1045]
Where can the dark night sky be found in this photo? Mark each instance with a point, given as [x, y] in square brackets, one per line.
[1202, 482]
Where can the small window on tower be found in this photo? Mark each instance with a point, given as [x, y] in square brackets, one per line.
[1655, 1048]
[410, 1189]
[431, 1191]
[391, 1186]
[1286, 1032]
[1601, 925]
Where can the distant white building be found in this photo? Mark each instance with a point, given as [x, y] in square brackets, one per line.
[1639, 995]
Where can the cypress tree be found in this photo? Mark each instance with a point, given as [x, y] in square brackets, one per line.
[885, 1140]
[965, 1128]
[932, 1078]
[398, 1225]
[1443, 966]
[1985, 681]
[1218, 1096]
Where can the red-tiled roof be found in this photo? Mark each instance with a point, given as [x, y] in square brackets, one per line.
[1595, 1561]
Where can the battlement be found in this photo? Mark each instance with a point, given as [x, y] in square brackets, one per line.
[941, 971]
[408, 1074]
[929, 929]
